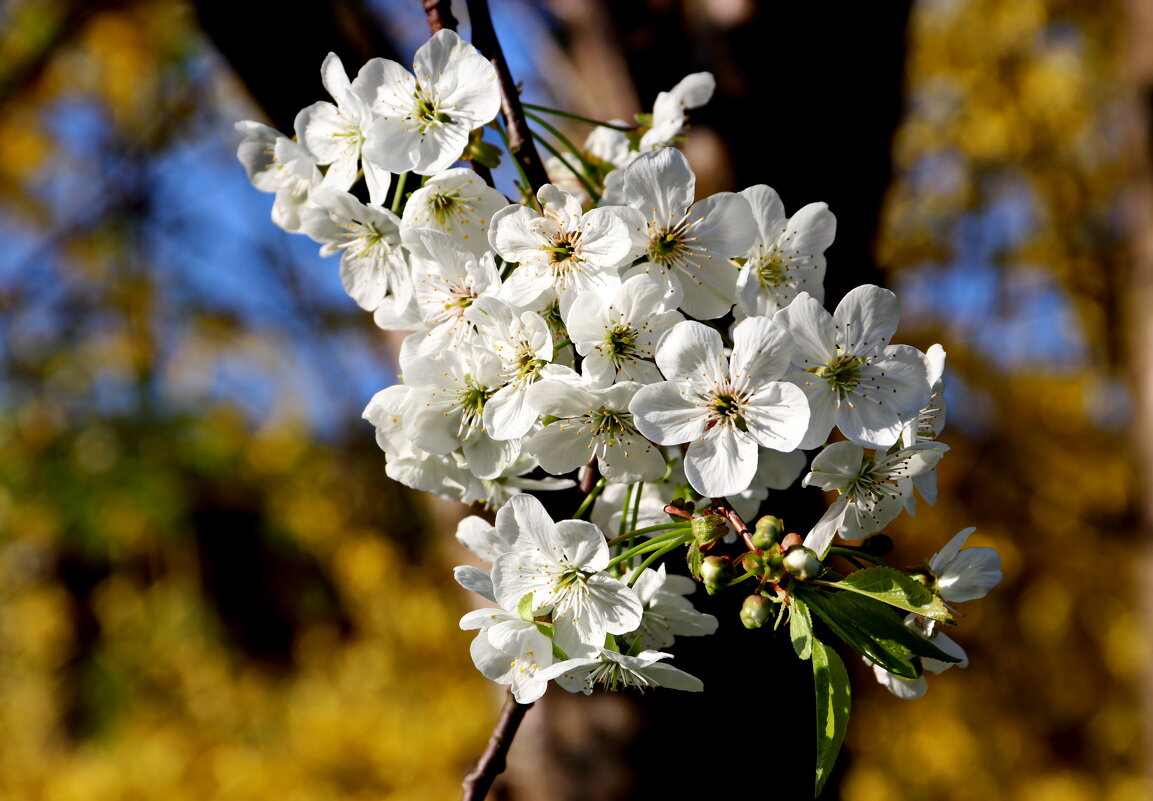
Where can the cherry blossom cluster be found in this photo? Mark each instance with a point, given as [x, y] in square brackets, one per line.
[672, 351]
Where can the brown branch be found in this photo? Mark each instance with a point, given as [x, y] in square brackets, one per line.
[520, 144]
[722, 507]
[439, 15]
[492, 762]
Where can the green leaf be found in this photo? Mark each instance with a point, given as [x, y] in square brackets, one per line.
[898, 589]
[888, 626]
[695, 559]
[878, 650]
[831, 687]
[524, 608]
[801, 628]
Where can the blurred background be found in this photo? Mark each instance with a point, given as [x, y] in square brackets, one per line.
[209, 589]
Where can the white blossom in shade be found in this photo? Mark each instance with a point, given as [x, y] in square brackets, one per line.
[617, 334]
[561, 564]
[592, 424]
[509, 650]
[423, 123]
[445, 408]
[335, 133]
[725, 408]
[524, 344]
[411, 466]
[788, 256]
[668, 118]
[668, 613]
[853, 378]
[615, 671]
[687, 245]
[871, 487]
[496, 492]
[927, 425]
[275, 163]
[458, 203]
[908, 689]
[964, 574]
[367, 237]
[446, 279]
[559, 249]
[482, 538]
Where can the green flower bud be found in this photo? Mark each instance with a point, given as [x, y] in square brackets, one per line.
[715, 573]
[755, 611]
[802, 563]
[708, 528]
[768, 532]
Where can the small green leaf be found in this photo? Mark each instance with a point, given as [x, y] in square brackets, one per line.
[897, 589]
[842, 622]
[801, 628]
[695, 559]
[831, 686]
[524, 608]
[886, 625]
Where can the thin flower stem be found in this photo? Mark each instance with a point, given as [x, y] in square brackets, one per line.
[588, 501]
[398, 198]
[745, 577]
[670, 547]
[578, 118]
[494, 759]
[722, 507]
[624, 524]
[636, 511]
[648, 530]
[588, 187]
[564, 140]
[520, 145]
[655, 544]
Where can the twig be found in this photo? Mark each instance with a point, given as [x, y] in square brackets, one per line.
[439, 15]
[722, 507]
[588, 477]
[520, 144]
[493, 761]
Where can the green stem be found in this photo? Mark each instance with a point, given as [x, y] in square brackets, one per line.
[655, 544]
[624, 524]
[588, 187]
[739, 580]
[398, 198]
[588, 501]
[653, 558]
[669, 527]
[578, 118]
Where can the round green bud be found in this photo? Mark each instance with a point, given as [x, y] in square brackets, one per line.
[768, 532]
[715, 573]
[755, 611]
[708, 528]
[801, 563]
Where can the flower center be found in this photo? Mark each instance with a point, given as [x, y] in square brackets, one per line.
[472, 400]
[769, 269]
[443, 205]
[843, 373]
[666, 247]
[620, 341]
[425, 114]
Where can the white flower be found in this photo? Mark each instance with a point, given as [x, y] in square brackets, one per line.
[561, 248]
[508, 650]
[615, 671]
[870, 484]
[592, 423]
[908, 689]
[724, 410]
[458, 203]
[372, 263]
[667, 612]
[335, 133]
[561, 564]
[789, 255]
[423, 123]
[610, 504]
[617, 334]
[275, 163]
[687, 245]
[927, 425]
[446, 278]
[496, 492]
[851, 375]
[668, 119]
[965, 575]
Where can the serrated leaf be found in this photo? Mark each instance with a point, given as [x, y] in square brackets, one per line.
[524, 608]
[831, 688]
[695, 559]
[891, 586]
[877, 649]
[884, 624]
[801, 628]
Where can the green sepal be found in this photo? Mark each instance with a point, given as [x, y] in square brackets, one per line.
[637, 646]
[482, 152]
[801, 628]
[547, 629]
[524, 608]
[831, 688]
[695, 559]
[558, 653]
[898, 589]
